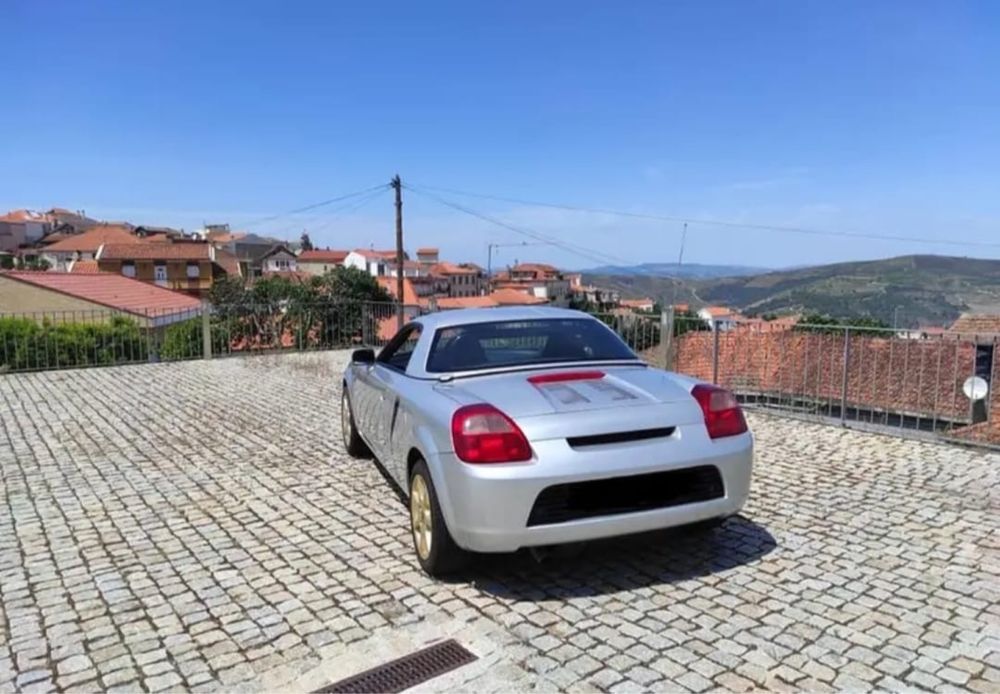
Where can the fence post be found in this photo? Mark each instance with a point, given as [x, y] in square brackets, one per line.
[206, 331]
[715, 351]
[844, 376]
[667, 334]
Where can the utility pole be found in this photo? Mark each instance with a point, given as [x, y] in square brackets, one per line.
[397, 185]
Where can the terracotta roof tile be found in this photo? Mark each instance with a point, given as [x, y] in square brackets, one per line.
[467, 302]
[372, 254]
[721, 312]
[976, 324]
[409, 295]
[95, 237]
[444, 269]
[156, 251]
[319, 255]
[228, 262]
[80, 266]
[111, 290]
[24, 216]
[512, 297]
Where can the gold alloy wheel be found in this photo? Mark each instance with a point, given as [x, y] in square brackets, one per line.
[420, 516]
[345, 420]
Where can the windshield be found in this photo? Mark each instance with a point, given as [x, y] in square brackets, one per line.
[523, 343]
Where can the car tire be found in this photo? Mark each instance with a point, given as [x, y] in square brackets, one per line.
[353, 444]
[432, 542]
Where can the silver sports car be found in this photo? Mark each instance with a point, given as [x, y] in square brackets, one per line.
[522, 427]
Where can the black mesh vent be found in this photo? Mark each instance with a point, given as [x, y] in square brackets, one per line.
[616, 495]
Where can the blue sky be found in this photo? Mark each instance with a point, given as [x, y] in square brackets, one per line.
[873, 117]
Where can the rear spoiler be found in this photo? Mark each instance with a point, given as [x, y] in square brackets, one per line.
[458, 375]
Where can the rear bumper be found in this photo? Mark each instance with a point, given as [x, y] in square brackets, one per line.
[487, 506]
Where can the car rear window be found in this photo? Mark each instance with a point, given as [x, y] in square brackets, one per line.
[516, 343]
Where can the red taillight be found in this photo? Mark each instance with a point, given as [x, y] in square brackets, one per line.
[723, 416]
[484, 434]
[566, 376]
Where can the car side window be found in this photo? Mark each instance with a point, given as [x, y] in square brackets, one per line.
[397, 353]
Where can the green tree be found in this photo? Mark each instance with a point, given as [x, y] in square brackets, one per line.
[333, 309]
[688, 321]
[349, 284]
[823, 323]
[305, 242]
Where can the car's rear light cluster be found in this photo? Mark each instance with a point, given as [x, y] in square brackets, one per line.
[483, 434]
[723, 416]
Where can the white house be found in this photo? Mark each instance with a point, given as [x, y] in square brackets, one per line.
[411, 268]
[320, 260]
[279, 259]
[375, 263]
[720, 318]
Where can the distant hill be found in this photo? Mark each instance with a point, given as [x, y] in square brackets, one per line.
[927, 289]
[687, 270]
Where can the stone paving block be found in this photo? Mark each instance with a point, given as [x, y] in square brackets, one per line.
[199, 522]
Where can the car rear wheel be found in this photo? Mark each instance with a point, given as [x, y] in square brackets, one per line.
[353, 444]
[436, 550]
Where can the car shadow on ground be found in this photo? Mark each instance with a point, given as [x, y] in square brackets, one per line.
[623, 563]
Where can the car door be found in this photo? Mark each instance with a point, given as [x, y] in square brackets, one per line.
[363, 395]
[390, 367]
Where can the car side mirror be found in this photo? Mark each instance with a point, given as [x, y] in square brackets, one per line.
[363, 356]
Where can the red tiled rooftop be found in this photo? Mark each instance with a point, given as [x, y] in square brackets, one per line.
[409, 295]
[445, 268]
[720, 312]
[512, 297]
[228, 262]
[95, 237]
[156, 251]
[467, 302]
[79, 266]
[111, 290]
[636, 303]
[23, 216]
[372, 254]
[320, 255]
[976, 324]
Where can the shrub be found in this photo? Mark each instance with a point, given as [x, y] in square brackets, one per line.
[28, 344]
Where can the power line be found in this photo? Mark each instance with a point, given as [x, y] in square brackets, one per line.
[582, 251]
[340, 212]
[718, 222]
[315, 205]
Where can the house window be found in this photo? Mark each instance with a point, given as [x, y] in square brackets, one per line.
[128, 269]
[160, 272]
[193, 271]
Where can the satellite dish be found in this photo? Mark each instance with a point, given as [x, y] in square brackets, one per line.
[975, 388]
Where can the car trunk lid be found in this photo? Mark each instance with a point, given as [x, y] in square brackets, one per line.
[568, 390]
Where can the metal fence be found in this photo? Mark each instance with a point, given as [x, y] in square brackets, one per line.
[908, 382]
[37, 341]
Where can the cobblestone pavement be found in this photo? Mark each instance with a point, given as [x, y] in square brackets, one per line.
[197, 525]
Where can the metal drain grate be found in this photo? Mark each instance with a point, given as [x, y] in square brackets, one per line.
[405, 672]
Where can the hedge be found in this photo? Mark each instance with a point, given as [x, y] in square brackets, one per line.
[27, 344]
